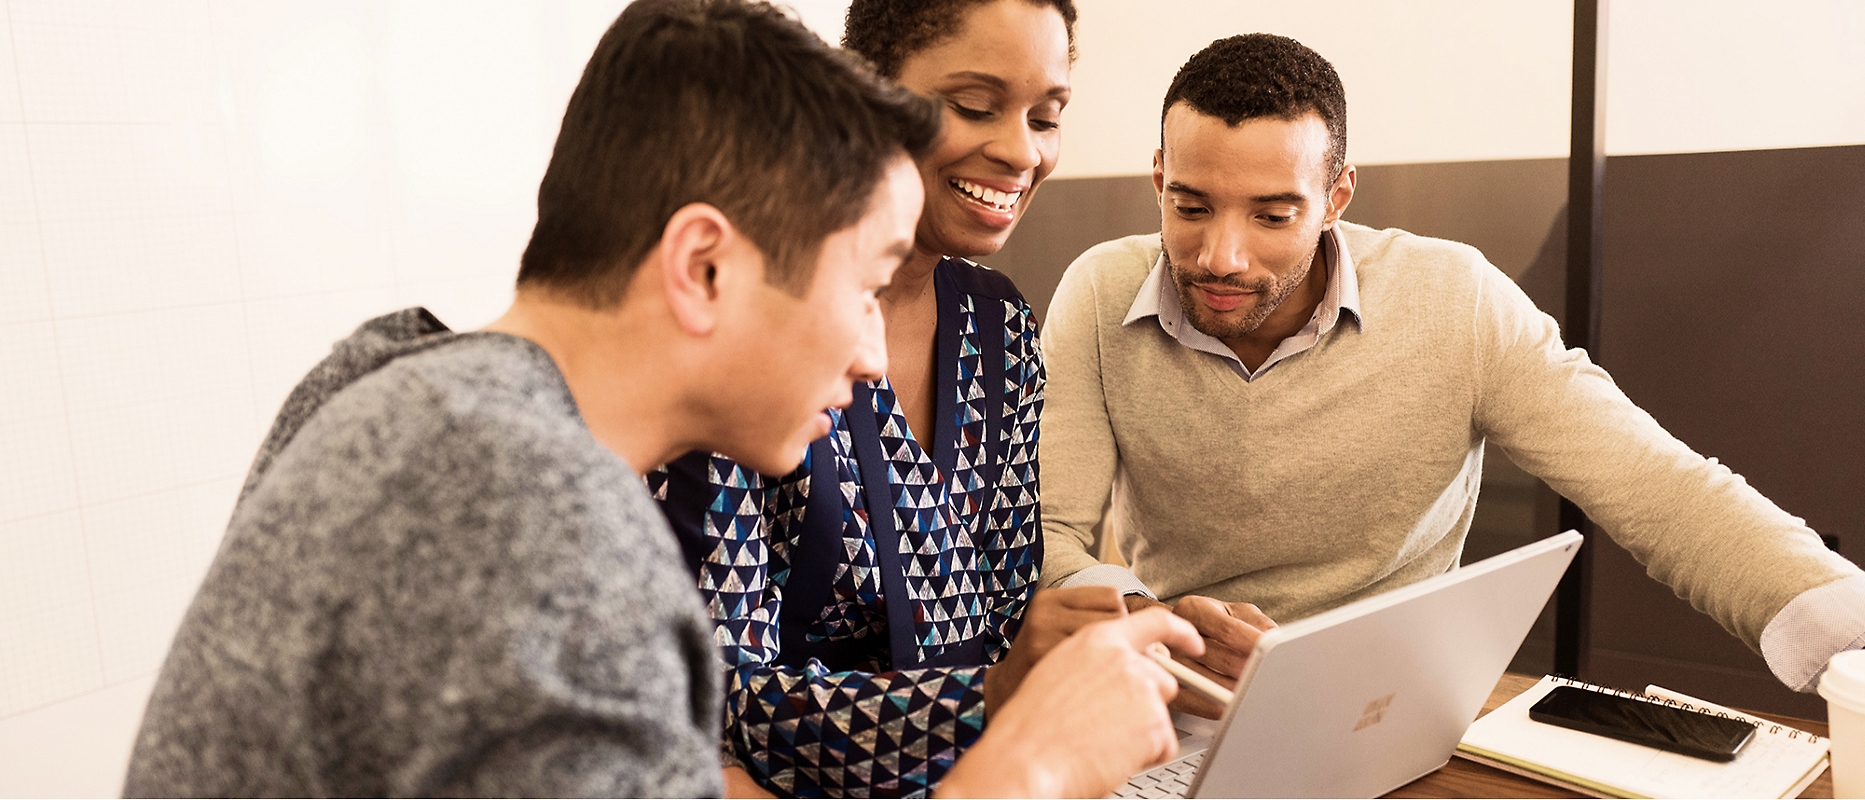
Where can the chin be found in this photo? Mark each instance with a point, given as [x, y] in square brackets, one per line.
[771, 461]
[958, 234]
[773, 458]
[970, 242]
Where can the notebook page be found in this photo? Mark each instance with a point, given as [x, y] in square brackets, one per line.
[1803, 745]
[1768, 766]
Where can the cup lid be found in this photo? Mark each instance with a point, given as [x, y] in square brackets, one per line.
[1844, 680]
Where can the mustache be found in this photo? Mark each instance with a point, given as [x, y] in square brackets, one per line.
[1198, 277]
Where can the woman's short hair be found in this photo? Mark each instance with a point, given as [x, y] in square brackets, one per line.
[887, 32]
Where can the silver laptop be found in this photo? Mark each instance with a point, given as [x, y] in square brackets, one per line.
[1360, 700]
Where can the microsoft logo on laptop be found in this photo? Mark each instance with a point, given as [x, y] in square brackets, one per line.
[1375, 711]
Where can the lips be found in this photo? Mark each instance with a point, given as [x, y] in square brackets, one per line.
[1222, 301]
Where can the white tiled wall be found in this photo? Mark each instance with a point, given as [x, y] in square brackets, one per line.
[196, 198]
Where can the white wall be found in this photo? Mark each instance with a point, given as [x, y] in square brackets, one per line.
[1466, 80]
[1704, 75]
[196, 198]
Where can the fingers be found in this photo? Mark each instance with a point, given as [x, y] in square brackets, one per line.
[1087, 598]
[1056, 613]
[1250, 615]
[1167, 740]
[1091, 713]
[1196, 704]
[1229, 640]
[1221, 662]
[1067, 610]
[1140, 602]
[1158, 625]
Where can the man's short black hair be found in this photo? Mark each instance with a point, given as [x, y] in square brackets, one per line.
[725, 102]
[886, 32]
[1263, 75]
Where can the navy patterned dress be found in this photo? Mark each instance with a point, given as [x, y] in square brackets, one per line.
[834, 688]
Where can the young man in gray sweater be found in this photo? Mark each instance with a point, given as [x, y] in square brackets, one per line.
[1290, 411]
[444, 575]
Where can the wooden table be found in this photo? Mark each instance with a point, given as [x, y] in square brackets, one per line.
[1462, 778]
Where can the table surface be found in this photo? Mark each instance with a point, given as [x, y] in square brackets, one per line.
[1462, 778]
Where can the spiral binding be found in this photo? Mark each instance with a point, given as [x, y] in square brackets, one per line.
[1771, 728]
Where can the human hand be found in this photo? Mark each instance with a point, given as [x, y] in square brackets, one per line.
[1053, 614]
[1088, 716]
[739, 783]
[1229, 630]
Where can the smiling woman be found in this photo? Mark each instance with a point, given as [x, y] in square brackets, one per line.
[899, 561]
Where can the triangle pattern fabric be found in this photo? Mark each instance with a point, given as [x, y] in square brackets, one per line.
[835, 718]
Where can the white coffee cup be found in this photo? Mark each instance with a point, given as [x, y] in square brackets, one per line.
[1843, 686]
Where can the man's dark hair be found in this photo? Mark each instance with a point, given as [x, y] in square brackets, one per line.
[1263, 75]
[724, 102]
[886, 32]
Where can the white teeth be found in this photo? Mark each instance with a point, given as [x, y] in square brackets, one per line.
[1001, 201]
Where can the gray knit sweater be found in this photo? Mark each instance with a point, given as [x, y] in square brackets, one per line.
[437, 583]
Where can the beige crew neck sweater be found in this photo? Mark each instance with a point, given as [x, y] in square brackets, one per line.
[1353, 467]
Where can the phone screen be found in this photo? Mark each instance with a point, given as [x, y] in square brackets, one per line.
[1692, 733]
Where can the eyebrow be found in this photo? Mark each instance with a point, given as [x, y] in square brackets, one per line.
[998, 83]
[1280, 197]
[901, 249]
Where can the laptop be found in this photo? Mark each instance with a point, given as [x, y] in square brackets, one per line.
[1365, 698]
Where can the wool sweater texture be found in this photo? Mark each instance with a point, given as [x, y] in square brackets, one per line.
[437, 582]
[1353, 467]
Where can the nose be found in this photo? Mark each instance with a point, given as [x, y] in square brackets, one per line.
[1014, 145]
[870, 362]
[1224, 250]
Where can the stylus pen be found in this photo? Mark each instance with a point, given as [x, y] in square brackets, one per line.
[1189, 679]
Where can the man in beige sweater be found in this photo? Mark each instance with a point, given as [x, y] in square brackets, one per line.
[1290, 411]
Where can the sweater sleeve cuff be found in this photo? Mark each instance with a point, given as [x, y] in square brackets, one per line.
[1108, 575]
[1811, 628]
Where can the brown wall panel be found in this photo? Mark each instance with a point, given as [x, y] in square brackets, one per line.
[1730, 311]
[1066, 217]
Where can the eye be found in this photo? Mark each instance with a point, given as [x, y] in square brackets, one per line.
[1189, 212]
[1276, 220]
[1044, 125]
[968, 112]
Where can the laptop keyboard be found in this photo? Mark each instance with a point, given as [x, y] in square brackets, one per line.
[1171, 779]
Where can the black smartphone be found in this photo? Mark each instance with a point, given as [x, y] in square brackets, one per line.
[1692, 733]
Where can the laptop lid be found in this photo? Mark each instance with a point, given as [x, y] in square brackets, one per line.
[1362, 699]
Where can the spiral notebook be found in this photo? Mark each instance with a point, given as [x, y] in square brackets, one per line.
[1778, 762]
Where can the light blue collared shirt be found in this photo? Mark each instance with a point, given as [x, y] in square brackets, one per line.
[1159, 297]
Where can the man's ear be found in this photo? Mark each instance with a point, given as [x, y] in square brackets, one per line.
[693, 257]
[1159, 179]
[1340, 196]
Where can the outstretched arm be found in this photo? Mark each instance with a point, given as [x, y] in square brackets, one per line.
[1694, 524]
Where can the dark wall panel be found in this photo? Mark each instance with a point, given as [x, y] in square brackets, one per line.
[1731, 312]
[1066, 217]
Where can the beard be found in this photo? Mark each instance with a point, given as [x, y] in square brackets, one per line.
[1234, 324]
